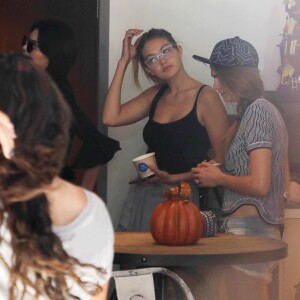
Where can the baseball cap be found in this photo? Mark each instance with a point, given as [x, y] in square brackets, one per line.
[232, 52]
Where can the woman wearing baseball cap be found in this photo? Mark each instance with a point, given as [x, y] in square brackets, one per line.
[256, 170]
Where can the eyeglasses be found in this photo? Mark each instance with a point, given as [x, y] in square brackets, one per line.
[166, 52]
[31, 44]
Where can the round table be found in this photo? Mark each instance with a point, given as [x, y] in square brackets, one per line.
[139, 248]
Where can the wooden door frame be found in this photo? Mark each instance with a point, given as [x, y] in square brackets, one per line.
[103, 71]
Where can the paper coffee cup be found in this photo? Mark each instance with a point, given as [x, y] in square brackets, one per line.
[142, 163]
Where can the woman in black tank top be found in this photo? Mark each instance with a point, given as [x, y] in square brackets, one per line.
[186, 120]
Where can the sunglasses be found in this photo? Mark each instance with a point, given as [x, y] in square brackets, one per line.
[30, 44]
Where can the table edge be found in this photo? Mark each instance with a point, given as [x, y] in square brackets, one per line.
[207, 259]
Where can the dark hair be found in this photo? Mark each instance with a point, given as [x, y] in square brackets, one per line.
[56, 41]
[247, 85]
[41, 119]
[153, 33]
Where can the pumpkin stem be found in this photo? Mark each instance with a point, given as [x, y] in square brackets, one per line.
[179, 188]
[182, 190]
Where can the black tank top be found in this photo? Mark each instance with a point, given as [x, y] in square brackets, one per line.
[178, 145]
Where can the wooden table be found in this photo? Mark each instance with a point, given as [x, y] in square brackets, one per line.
[139, 249]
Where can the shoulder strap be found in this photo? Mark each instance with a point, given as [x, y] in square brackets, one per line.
[156, 99]
[198, 93]
[200, 90]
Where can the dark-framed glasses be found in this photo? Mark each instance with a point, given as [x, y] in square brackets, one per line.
[166, 52]
[30, 44]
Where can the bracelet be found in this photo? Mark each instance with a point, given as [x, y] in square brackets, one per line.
[285, 196]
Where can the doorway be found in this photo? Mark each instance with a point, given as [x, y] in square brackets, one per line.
[16, 17]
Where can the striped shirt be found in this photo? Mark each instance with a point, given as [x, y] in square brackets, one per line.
[261, 127]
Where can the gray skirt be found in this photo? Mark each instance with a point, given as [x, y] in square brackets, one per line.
[140, 203]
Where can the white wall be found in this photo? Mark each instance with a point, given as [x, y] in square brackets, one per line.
[198, 26]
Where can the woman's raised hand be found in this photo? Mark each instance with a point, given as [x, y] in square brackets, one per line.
[129, 49]
[7, 135]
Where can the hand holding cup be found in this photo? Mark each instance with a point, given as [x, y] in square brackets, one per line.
[143, 163]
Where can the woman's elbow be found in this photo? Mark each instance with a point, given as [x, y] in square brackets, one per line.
[108, 121]
[262, 189]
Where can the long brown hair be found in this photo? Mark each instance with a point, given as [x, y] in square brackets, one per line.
[153, 33]
[246, 84]
[41, 119]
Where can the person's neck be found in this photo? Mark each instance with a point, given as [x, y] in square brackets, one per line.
[53, 188]
[181, 82]
[47, 189]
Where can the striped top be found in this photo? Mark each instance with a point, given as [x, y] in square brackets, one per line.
[261, 127]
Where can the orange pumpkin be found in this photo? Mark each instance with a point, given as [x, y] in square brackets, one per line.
[177, 221]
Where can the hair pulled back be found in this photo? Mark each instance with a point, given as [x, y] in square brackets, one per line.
[56, 41]
[153, 33]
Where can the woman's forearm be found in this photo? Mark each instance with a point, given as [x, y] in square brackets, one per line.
[176, 178]
[246, 185]
[112, 104]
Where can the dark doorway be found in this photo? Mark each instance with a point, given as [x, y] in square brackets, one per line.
[16, 17]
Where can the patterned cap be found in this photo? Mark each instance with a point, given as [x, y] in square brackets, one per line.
[232, 52]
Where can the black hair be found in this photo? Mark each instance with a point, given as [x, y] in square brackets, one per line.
[56, 41]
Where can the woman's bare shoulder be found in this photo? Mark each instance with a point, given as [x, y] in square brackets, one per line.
[208, 91]
[211, 106]
[209, 97]
[67, 201]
